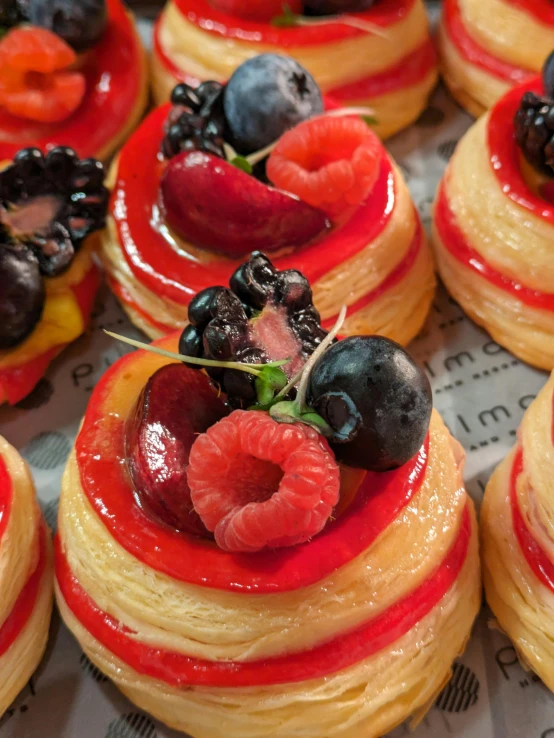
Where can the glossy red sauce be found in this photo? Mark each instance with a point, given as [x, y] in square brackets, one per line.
[202, 13]
[25, 603]
[17, 381]
[459, 247]
[538, 560]
[179, 670]
[6, 495]
[108, 487]
[505, 155]
[475, 54]
[541, 10]
[114, 81]
[177, 275]
[410, 70]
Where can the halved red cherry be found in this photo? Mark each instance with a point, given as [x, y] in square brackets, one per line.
[332, 163]
[176, 405]
[36, 82]
[257, 10]
[218, 207]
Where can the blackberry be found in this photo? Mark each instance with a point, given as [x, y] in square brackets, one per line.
[11, 14]
[266, 315]
[534, 123]
[196, 121]
[22, 294]
[51, 204]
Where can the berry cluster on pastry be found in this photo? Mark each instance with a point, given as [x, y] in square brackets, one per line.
[26, 577]
[259, 163]
[267, 533]
[488, 46]
[494, 221]
[51, 209]
[518, 536]
[71, 73]
[370, 52]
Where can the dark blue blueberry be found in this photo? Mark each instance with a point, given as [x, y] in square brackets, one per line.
[80, 23]
[266, 96]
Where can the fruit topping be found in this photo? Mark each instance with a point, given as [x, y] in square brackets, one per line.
[534, 123]
[10, 14]
[267, 315]
[332, 163]
[257, 10]
[261, 484]
[36, 82]
[332, 7]
[51, 204]
[375, 398]
[22, 294]
[196, 121]
[175, 406]
[266, 96]
[80, 23]
[216, 206]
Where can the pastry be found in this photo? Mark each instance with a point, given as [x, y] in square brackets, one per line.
[26, 574]
[261, 561]
[516, 519]
[360, 52]
[51, 209]
[488, 46]
[73, 74]
[494, 223]
[182, 217]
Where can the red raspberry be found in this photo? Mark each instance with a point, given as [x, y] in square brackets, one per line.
[257, 483]
[330, 163]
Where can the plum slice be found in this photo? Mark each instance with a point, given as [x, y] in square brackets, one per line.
[176, 405]
[218, 207]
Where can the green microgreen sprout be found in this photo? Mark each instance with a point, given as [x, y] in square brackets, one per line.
[288, 19]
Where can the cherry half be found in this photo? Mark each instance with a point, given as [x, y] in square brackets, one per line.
[218, 207]
[176, 405]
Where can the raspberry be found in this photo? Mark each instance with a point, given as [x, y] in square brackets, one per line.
[261, 484]
[331, 163]
[35, 81]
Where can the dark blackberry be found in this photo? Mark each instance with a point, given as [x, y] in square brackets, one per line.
[11, 14]
[22, 294]
[534, 123]
[51, 204]
[196, 121]
[266, 315]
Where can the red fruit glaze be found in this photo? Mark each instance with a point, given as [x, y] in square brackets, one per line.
[330, 163]
[218, 207]
[113, 74]
[176, 404]
[475, 54]
[179, 670]
[261, 484]
[6, 496]
[203, 14]
[17, 381]
[25, 603]
[108, 488]
[162, 267]
[257, 10]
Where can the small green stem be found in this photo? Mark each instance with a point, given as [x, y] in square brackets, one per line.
[253, 369]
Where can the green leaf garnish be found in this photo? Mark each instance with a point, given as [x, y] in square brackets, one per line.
[287, 20]
[370, 120]
[242, 163]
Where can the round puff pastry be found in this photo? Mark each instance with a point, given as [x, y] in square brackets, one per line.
[347, 635]
[26, 574]
[116, 95]
[69, 302]
[393, 72]
[488, 46]
[378, 263]
[518, 539]
[493, 233]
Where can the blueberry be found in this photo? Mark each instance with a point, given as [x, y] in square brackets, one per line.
[334, 7]
[80, 23]
[22, 295]
[266, 96]
[376, 399]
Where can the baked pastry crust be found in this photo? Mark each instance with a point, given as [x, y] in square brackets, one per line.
[26, 577]
[517, 535]
[100, 579]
